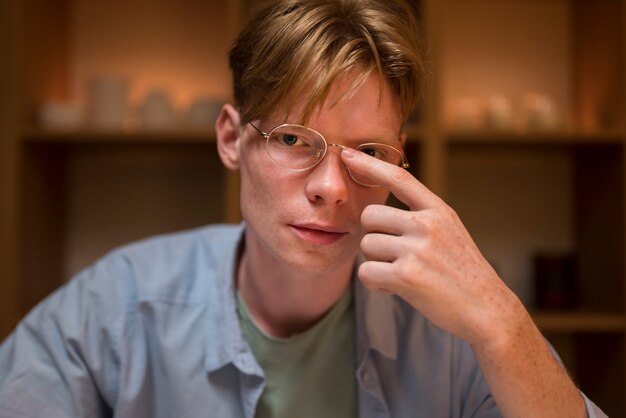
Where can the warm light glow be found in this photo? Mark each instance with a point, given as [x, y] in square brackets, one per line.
[507, 49]
[177, 48]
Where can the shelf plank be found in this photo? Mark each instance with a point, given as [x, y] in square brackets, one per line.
[533, 138]
[579, 322]
[33, 135]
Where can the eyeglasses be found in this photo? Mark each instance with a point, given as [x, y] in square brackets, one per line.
[298, 148]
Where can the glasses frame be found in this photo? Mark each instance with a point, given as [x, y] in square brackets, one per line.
[267, 135]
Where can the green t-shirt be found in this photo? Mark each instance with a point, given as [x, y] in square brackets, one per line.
[311, 374]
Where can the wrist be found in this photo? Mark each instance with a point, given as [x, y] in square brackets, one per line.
[504, 328]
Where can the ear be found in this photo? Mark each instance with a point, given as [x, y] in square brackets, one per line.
[228, 131]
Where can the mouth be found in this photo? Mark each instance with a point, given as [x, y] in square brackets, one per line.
[318, 234]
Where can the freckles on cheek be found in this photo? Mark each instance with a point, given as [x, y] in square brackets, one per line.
[264, 190]
[255, 195]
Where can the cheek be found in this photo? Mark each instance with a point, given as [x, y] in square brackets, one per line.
[263, 186]
[372, 196]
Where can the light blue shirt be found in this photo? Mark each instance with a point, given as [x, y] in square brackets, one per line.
[151, 330]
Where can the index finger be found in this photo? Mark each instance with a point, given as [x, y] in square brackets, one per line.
[396, 179]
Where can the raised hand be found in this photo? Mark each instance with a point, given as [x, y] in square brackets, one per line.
[426, 256]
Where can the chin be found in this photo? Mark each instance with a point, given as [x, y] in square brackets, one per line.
[320, 262]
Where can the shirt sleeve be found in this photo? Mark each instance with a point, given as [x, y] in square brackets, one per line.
[592, 409]
[478, 401]
[60, 361]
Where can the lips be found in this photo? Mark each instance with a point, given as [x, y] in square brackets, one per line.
[319, 234]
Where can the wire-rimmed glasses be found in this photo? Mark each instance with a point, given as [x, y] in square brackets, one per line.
[298, 148]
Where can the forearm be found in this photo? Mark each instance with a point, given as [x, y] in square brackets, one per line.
[524, 377]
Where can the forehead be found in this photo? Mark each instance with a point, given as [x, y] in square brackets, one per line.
[371, 110]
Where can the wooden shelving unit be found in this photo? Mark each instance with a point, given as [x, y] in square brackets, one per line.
[580, 322]
[36, 135]
[538, 138]
[67, 197]
[525, 192]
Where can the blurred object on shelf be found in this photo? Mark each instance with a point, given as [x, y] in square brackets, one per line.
[66, 116]
[107, 102]
[202, 114]
[539, 112]
[609, 114]
[556, 281]
[109, 107]
[466, 114]
[534, 112]
[157, 111]
[498, 113]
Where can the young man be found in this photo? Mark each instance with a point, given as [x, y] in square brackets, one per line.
[281, 316]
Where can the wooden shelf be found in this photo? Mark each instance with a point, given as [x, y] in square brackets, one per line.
[565, 322]
[33, 135]
[539, 138]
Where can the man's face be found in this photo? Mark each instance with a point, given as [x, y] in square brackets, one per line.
[310, 221]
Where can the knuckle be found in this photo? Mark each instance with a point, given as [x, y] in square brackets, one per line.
[405, 271]
[405, 274]
[368, 213]
[421, 222]
[365, 242]
[365, 274]
[409, 271]
[449, 212]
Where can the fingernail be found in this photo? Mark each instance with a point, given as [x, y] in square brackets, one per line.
[348, 152]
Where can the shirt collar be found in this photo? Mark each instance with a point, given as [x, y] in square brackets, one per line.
[225, 343]
[376, 325]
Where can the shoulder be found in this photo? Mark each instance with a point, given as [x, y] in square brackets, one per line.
[138, 302]
[175, 266]
[178, 267]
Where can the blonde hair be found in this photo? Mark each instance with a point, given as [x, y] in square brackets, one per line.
[294, 50]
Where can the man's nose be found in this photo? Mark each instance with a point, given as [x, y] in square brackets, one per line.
[329, 180]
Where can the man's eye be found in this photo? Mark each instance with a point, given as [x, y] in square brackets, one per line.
[372, 152]
[289, 139]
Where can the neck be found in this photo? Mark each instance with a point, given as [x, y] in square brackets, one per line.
[283, 301]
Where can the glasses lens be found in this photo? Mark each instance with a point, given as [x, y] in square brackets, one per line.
[383, 152]
[295, 147]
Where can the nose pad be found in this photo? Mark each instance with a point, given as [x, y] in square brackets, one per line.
[341, 147]
[323, 183]
[360, 180]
